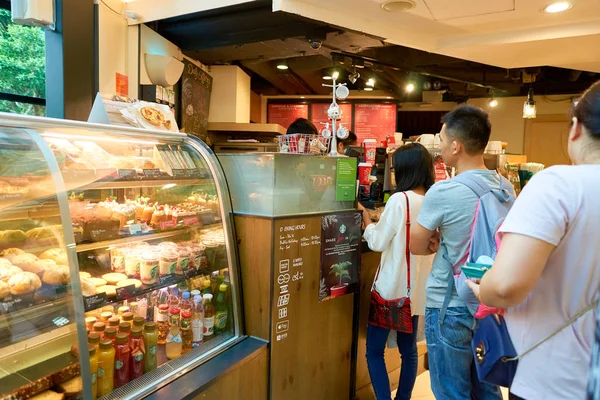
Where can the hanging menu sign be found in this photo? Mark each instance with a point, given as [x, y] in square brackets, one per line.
[340, 257]
[374, 121]
[196, 86]
[319, 115]
[285, 114]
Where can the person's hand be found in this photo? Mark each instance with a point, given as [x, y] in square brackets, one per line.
[474, 286]
[434, 243]
[360, 207]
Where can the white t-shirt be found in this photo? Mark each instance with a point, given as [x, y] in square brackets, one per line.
[389, 237]
[560, 206]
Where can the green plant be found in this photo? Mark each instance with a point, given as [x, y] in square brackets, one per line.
[341, 270]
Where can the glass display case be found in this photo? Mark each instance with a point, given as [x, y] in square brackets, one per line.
[118, 271]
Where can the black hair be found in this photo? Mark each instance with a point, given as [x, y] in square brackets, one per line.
[350, 140]
[302, 125]
[587, 111]
[413, 167]
[469, 125]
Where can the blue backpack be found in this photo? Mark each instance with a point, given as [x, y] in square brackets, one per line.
[492, 208]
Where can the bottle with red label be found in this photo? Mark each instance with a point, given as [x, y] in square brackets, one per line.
[136, 343]
[122, 358]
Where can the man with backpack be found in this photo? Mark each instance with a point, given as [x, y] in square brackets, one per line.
[449, 211]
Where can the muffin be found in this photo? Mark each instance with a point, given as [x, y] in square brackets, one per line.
[24, 283]
[4, 261]
[11, 253]
[57, 255]
[24, 261]
[8, 271]
[38, 267]
[57, 276]
[4, 289]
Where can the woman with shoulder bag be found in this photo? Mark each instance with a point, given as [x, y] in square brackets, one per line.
[546, 272]
[398, 292]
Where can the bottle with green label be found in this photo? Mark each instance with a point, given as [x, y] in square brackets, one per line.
[221, 310]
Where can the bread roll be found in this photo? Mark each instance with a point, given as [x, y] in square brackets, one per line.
[12, 238]
[56, 254]
[24, 283]
[57, 276]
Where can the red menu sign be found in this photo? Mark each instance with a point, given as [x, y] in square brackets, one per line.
[319, 114]
[374, 121]
[285, 114]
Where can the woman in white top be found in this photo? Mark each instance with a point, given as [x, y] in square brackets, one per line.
[413, 168]
[548, 268]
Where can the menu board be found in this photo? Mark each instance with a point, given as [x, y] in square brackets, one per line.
[285, 114]
[374, 121]
[196, 86]
[319, 114]
[340, 257]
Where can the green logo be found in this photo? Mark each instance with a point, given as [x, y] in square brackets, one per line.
[100, 372]
[184, 263]
[139, 356]
[153, 350]
[118, 364]
[154, 272]
[94, 378]
[342, 229]
[172, 267]
[221, 320]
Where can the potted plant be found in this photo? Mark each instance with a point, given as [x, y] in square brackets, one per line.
[341, 272]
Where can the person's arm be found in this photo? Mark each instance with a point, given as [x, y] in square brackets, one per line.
[516, 270]
[424, 237]
[533, 228]
[379, 236]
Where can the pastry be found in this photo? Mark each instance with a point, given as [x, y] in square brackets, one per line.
[38, 267]
[127, 282]
[153, 115]
[5, 261]
[98, 281]
[85, 275]
[24, 260]
[45, 236]
[71, 387]
[10, 253]
[57, 255]
[24, 283]
[4, 289]
[7, 271]
[48, 395]
[87, 287]
[114, 277]
[57, 276]
[124, 213]
[110, 290]
[7, 188]
[12, 238]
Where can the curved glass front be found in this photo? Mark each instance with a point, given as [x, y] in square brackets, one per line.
[153, 250]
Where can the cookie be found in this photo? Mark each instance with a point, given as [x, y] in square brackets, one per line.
[110, 290]
[127, 282]
[114, 277]
[86, 275]
[98, 282]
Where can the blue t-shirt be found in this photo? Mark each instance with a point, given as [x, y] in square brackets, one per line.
[450, 206]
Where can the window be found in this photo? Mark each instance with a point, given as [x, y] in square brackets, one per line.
[22, 67]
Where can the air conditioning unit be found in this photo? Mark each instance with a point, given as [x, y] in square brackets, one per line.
[33, 13]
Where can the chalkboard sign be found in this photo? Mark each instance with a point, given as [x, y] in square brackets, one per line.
[94, 302]
[124, 293]
[195, 100]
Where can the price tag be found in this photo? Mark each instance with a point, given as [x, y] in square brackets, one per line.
[166, 280]
[180, 173]
[13, 196]
[94, 302]
[191, 272]
[126, 173]
[208, 218]
[164, 225]
[135, 229]
[126, 292]
[191, 221]
[152, 173]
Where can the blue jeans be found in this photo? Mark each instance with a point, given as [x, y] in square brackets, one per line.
[407, 345]
[451, 362]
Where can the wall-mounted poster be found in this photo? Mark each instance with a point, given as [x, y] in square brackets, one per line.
[374, 121]
[319, 114]
[340, 254]
[196, 86]
[285, 114]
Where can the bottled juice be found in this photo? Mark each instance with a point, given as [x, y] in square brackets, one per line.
[206, 287]
[105, 316]
[174, 316]
[93, 369]
[150, 343]
[106, 368]
[114, 322]
[162, 323]
[136, 364]
[221, 310]
[127, 317]
[174, 344]
[110, 334]
[209, 315]
[98, 327]
[197, 320]
[122, 358]
[138, 322]
[187, 337]
[124, 327]
[94, 339]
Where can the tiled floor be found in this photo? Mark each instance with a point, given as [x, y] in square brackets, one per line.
[422, 390]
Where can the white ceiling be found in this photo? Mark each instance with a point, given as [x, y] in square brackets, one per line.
[504, 33]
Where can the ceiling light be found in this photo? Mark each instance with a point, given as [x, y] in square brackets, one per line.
[335, 75]
[388, 97]
[282, 65]
[327, 77]
[410, 88]
[354, 75]
[371, 82]
[529, 107]
[398, 6]
[557, 7]
[301, 97]
[368, 89]
[493, 102]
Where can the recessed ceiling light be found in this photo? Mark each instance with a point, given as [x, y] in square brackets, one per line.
[301, 97]
[282, 65]
[388, 97]
[327, 77]
[557, 7]
[398, 6]
[368, 89]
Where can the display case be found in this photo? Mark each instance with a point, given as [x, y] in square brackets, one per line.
[118, 268]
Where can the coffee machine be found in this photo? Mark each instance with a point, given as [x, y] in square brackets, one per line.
[372, 196]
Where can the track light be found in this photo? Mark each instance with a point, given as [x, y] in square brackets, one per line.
[371, 82]
[354, 75]
[410, 87]
[529, 107]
